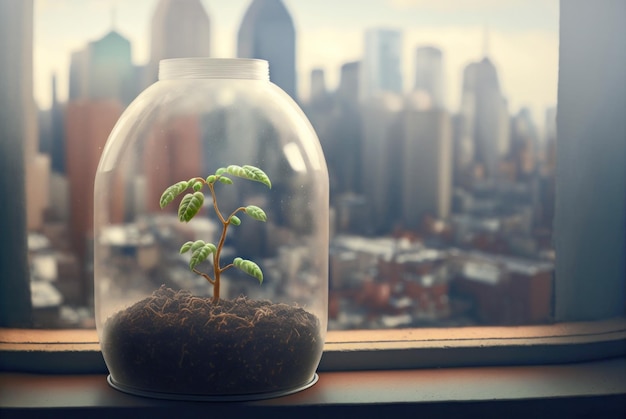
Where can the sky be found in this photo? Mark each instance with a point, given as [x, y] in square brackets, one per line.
[522, 39]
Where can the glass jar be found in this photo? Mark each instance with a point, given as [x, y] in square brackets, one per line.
[230, 302]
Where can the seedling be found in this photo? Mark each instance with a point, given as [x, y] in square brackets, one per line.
[191, 204]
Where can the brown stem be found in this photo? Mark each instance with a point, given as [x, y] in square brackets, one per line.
[217, 210]
[217, 271]
[216, 256]
[205, 276]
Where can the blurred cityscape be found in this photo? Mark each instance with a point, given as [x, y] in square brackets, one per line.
[438, 217]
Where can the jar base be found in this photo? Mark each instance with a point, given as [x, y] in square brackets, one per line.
[209, 398]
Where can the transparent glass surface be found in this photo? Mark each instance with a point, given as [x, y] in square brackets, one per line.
[188, 126]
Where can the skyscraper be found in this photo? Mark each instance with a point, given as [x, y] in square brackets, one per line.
[342, 144]
[103, 70]
[427, 165]
[53, 137]
[180, 28]
[485, 116]
[429, 74]
[318, 86]
[111, 71]
[524, 144]
[102, 83]
[381, 156]
[87, 127]
[173, 151]
[79, 63]
[348, 89]
[381, 68]
[267, 32]
[57, 139]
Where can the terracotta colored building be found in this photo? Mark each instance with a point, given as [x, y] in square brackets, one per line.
[173, 152]
[87, 126]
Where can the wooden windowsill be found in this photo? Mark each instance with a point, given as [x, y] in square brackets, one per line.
[595, 389]
[78, 351]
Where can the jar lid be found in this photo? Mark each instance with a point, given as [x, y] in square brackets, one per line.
[213, 68]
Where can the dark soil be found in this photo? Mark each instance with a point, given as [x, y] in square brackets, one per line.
[173, 342]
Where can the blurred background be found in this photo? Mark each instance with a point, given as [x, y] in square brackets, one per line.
[437, 120]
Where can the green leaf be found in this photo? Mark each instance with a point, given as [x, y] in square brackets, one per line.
[225, 180]
[196, 245]
[234, 220]
[259, 175]
[233, 169]
[249, 267]
[185, 247]
[190, 205]
[172, 192]
[220, 171]
[200, 254]
[256, 213]
[197, 186]
[250, 173]
[211, 179]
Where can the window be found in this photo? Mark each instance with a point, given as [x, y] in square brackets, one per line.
[582, 233]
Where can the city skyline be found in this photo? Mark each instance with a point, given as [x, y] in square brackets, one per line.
[402, 151]
[521, 51]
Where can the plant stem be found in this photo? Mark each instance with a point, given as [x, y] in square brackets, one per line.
[217, 271]
[216, 256]
[205, 276]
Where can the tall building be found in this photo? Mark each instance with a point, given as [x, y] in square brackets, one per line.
[87, 126]
[57, 137]
[348, 89]
[267, 32]
[429, 74]
[320, 109]
[381, 68]
[342, 146]
[52, 142]
[180, 28]
[173, 152]
[381, 156]
[524, 144]
[79, 63]
[102, 83]
[318, 86]
[485, 117]
[111, 72]
[104, 70]
[427, 165]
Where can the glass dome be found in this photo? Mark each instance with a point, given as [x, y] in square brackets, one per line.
[168, 316]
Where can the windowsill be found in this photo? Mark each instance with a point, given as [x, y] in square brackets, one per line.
[474, 346]
[560, 370]
[593, 389]
[78, 351]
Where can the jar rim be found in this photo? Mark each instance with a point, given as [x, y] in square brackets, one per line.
[213, 68]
